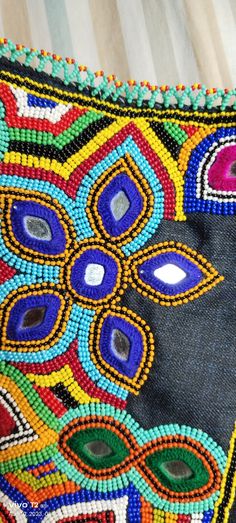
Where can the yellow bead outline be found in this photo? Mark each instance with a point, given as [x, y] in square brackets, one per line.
[168, 162]
[46, 435]
[65, 376]
[229, 505]
[55, 478]
[8, 197]
[112, 106]
[134, 384]
[36, 289]
[110, 250]
[126, 164]
[65, 170]
[212, 277]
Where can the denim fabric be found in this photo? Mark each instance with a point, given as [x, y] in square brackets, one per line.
[193, 378]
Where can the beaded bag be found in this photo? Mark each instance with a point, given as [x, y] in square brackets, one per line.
[116, 300]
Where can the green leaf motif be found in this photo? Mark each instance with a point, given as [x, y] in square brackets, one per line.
[111, 451]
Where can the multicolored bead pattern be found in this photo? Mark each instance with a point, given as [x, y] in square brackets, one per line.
[111, 87]
[85, 185]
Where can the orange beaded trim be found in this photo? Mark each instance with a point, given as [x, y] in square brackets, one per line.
[58, 329]
[102, 422]
[197, 449]
[211, 275]
[107, 248]
[126, 165]
[131, 384]
[10, 196]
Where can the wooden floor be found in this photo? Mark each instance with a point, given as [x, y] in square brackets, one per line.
[163, 41]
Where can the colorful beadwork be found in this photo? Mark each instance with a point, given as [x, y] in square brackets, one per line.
[207, 161]
[130, 372]
[89, 174]
[196, 277]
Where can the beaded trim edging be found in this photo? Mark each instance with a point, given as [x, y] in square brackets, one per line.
[109, 87]
[227, 495]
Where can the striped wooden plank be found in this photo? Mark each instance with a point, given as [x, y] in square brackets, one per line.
[163, 41]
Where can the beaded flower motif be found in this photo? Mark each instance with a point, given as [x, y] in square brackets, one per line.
[81, 195]
[75, 256]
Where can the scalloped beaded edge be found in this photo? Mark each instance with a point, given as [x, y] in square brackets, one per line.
[69, 70]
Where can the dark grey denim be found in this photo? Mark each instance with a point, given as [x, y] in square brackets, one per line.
[193, 377]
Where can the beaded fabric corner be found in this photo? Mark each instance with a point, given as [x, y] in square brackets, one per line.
[90, 174]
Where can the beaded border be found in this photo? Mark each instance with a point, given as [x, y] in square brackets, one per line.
[110, 87]
[175, 115]
[110, 250]
[144, 440]
[137, 105]
[43, 422]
